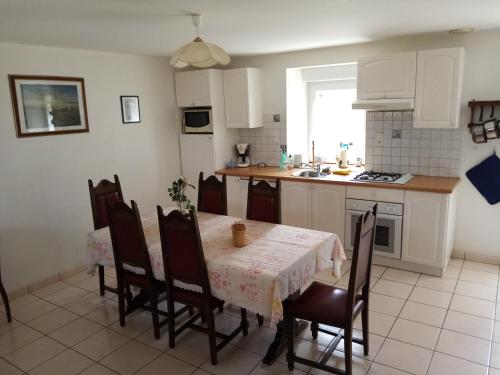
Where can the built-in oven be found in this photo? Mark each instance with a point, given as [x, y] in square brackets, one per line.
[197, 120]
[389, 226]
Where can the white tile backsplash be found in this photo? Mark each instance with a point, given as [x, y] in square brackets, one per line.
[433, 152]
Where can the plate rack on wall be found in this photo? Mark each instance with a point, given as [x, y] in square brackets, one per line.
[484, 122]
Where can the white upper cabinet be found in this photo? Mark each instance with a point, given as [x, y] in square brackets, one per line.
[243, 97]
[439, 88]
[390, 76]
[192, 88]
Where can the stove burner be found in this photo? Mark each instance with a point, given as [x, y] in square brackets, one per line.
[377, 176]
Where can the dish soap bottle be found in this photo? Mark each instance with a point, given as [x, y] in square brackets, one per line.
[283, 161]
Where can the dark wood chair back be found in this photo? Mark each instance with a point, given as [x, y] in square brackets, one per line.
[182, 250]
[359, 279]
[104, 191]
[263, 203]
[127, 236]
[212, 195]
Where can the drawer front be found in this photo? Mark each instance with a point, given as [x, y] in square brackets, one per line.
[374, 194]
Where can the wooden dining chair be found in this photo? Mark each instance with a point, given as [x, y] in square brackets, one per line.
[5, 299]
[263, 203]
[212, 195]
[183, 261]
[132, 262]
[333, 306]
[104, 191]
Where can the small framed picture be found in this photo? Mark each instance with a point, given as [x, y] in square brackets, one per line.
[48, 105]
[130, 109]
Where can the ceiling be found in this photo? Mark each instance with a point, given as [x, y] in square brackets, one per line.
[159, 27]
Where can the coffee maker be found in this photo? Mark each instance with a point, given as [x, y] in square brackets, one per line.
[243, 149]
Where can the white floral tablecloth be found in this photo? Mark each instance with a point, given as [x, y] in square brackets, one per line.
[277, 261]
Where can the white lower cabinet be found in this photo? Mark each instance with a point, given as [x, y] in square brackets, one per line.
[314, 206]
[233, 196]
[425, 228]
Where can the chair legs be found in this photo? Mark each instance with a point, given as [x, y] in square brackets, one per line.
[260, 319]
[101, 280]
[290, 355]
[364, 321]
[5, 299]
[171, 323]
[121, 304]
[209, 315]
[154, 313]
[314, 330]
[348, 350]
[244, 322]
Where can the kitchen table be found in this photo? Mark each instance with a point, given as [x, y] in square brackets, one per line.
[276, 263]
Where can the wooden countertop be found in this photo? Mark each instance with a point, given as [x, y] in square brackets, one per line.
[443, 185]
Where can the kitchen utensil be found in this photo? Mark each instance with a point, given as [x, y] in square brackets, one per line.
[490, 125]
[297, 160]
[239, 234]
[342, 172]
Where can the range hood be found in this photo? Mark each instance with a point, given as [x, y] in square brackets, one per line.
[407, 104]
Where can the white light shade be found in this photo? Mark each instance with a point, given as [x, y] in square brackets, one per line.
[199, 54]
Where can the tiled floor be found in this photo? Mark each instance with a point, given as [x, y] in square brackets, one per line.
[418, 324]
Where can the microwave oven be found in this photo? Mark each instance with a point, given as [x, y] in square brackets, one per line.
[197, 121]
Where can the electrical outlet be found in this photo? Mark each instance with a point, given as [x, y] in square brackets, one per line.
[379, 139]
[276, 118]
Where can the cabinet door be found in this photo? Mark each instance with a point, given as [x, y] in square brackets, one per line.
[233, 196]
[192, 89]
[424, 228]
[328, 208]
[296, 204]
[439, 88]
[236, 98]
[387, 76]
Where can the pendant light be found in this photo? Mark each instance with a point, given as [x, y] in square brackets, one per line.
[199, 53]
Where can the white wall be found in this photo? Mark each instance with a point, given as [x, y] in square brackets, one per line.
[478, 223]
[44, 201]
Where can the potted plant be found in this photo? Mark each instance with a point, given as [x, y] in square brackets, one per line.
[178, 194]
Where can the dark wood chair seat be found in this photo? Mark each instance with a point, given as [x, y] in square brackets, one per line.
[332, 306]
[212, 195]
[324, 303]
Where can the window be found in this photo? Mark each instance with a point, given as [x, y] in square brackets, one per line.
[333, 121]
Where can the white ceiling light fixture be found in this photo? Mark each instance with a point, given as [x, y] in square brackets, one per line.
[198, 53]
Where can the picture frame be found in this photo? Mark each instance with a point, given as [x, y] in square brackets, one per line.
[48, 105]
[131, 113]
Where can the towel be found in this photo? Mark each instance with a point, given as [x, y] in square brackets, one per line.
[486, 178]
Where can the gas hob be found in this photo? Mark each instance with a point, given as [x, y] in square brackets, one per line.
[387, 178]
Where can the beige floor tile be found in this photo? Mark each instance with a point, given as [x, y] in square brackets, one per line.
[415, 333]
[378, 323]
[49, 289]
[201, 372]
[482, 291]
[17, 338]
[148, 338]
[32, 310]
[6, 326]
[375, 343]
[443, 364]
[430, 297]
[78, 277]
[233, 360]
[130, 357]
[32, 355]
[377, 271]
[421, 313]
[253, 341]
[496, 331]
[359, 365]
[305, 349]
[166, 364]
[463, 346]
[275, 369]
[473, 306]
[76, 331]
[469, 324]
[326, 277]
[456, 262]
[65, 295]
[105, 315]
[493, 371]
[452, 272]
[439, 283]
[52, 320]
[68, 362]
[97, 369]
[400, 276]
[404, 357]
[495, 355]
[386, 304]
[90, 285]
[135, 324]
[479, 277]
[101, 344]
[86, 303]
[191, 347]
[468, 264]
[378, 369]
[7, 369]
[392, 288]
[20, 302]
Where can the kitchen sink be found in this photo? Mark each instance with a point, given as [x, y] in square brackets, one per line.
[308, 173]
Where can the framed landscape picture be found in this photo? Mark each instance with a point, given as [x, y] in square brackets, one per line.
[45, 105]
[130, 109]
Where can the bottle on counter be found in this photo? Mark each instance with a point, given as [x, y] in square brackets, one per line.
[283, 161]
